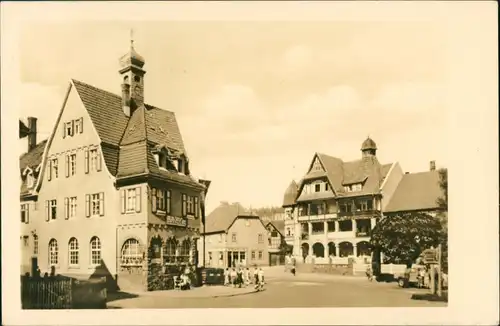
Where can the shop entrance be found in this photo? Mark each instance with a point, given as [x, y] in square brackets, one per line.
[236, 258]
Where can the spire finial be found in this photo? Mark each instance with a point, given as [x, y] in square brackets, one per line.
[132, 38]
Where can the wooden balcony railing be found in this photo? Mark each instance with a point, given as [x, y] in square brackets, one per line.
[360, 213]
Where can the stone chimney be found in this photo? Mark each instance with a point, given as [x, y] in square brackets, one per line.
[126, 98]
[432, 165]
[32, 133]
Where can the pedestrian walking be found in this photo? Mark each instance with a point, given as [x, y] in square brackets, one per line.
[227, 280]
[234, 277]
[260, 280]
[247, 276]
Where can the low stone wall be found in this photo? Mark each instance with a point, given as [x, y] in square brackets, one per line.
[334, 269]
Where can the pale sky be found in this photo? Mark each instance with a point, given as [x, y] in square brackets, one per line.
[256, 100]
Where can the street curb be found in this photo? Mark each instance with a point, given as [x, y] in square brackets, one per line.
[234, 294]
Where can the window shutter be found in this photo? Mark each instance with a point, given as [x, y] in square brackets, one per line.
[66, 207]
[49, 174]
[47, 208]
[86, 160]
[67, 166]
[81, 125]
[168, 201]
[72, 127]
[184, 204]
[138, 199]
[87, 205]
[99, 160]
[64, 130]
[153, 200]
[101, 204]
[122, 195]
[196, 208]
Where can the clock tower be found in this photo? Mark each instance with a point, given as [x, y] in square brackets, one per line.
[132, 72]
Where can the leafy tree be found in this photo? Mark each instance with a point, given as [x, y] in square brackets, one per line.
[403, 237]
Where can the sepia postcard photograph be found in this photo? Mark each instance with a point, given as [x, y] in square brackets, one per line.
[280, 163]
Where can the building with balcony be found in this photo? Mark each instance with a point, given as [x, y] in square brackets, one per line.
[233, 237]
[110, 192]
[337, 204]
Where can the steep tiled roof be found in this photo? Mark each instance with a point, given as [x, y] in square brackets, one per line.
[221, 218]
[105, 110]
[31, 159]
[34, 157]
[366, 170]
[127, 142]
[416, 191]
[290, 194]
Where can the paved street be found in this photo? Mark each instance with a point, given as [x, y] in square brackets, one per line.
[303, 291]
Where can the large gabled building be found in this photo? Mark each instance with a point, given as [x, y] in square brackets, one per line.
[110, 192]
[234, 237]
[337, 204]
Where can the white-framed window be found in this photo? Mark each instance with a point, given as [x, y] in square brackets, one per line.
[260, 255]
[253, 254]
[317, 187]
[170, 251]
[72, 207]
[220, 237]
[95, 160]
[327, 186]
[233, 237]
[78, 126]
[160, 199]
[185, 251]
[190, 205]
[53, 252]
[24, 213]
[261, 238]
[95, 251]
[72, 164]
[94, 204]
[26, 241]
[73, 251]
[68, 129]
[130, 200]
[35, 244]
[209, 258]
[51, 209]
[131, 253]
[53, 169]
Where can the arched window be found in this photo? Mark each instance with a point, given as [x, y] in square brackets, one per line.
[53, 252]
[185, 251]
[73, 251]
[131, 253]
[95, 251]
[170, 251]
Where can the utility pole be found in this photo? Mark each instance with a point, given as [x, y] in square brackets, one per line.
[440, 275]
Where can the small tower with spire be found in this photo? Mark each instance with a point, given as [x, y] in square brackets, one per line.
[369, 148]
[132, 72]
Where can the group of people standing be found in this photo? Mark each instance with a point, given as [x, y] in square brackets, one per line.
[242, 277]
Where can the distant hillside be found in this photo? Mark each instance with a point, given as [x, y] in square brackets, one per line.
[269, 213]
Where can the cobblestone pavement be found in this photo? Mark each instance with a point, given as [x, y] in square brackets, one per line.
[284, 290]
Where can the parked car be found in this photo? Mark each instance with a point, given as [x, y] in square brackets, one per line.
[411, 277]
